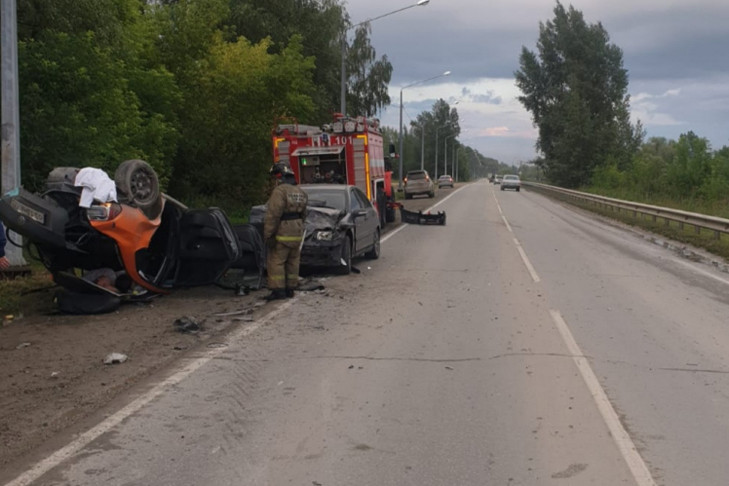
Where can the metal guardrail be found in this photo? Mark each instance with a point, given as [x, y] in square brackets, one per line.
[698, 221]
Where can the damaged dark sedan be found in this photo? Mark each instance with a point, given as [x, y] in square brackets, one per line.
[341, 224]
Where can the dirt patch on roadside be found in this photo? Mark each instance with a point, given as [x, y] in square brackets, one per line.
[52, 369]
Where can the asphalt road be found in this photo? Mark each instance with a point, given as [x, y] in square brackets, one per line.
[521, 344]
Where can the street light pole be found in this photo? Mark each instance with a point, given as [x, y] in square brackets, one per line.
[445, 153]
[422, 146]
[10, 165]
[436, 152]
[447, 125]
[447, 73]
[343, 81]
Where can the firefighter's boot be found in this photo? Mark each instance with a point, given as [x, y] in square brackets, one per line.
[276, 294]
[289, 293]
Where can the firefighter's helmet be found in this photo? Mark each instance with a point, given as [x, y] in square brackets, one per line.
[280, 170]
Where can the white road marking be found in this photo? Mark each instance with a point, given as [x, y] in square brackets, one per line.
[625, 444]
[527, 263]
[75, 446]
[530, 268]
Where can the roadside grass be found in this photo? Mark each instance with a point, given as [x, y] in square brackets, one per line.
[23, 294]
[718, 208]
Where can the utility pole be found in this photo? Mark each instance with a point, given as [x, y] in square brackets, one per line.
[10, 116]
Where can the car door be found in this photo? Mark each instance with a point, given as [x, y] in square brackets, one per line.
[365, 217]
[207, 247]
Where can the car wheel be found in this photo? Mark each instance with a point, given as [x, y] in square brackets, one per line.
[431, 194]
[137, 184]
[374, 253]
[408, 196]
[502, 188]
[517, 189]
[345, 260]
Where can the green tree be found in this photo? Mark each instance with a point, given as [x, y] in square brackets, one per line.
[239, 93]
[442, 121]
[649, 170]
[367, 76]
[690, 167]
[317, 22]
[575, 87]
[88, 94]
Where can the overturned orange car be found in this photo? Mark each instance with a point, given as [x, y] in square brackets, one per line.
[84, 221]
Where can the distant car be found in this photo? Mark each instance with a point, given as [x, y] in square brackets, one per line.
[445, 181]
[497, 179]
[511, 181]
[341, 224]
[418, 182]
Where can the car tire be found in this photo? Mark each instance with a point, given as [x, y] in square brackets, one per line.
[431, 194]
[346, 256]
[374, 253]
[138, 185]
[502, 188]
[408, 196]
[517, 189]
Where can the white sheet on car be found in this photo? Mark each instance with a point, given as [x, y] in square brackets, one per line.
[97, 185]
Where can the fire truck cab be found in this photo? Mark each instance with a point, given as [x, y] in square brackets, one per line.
[347, 151]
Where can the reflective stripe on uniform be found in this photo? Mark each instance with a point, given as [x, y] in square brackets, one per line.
[288, 238]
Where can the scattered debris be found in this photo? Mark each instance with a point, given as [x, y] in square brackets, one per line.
[115, 358]
[311, 285]
[235, 313]
[217, 345]
[55, 374]
[187, 324]
[411, 217]
[22, 345]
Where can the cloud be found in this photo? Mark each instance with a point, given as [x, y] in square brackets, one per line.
[673, 50]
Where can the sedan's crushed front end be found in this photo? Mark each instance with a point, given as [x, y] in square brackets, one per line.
[326, 231]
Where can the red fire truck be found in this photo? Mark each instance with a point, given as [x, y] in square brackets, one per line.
[347, 151]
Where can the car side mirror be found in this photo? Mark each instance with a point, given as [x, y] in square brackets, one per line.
[360, 212]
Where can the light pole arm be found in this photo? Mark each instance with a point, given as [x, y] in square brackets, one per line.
[418, 4]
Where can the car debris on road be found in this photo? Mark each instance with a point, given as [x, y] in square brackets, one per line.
[411, 217]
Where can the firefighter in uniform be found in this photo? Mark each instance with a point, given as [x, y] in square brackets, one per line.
[283, 232]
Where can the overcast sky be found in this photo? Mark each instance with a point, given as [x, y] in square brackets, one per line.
[676, 53]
